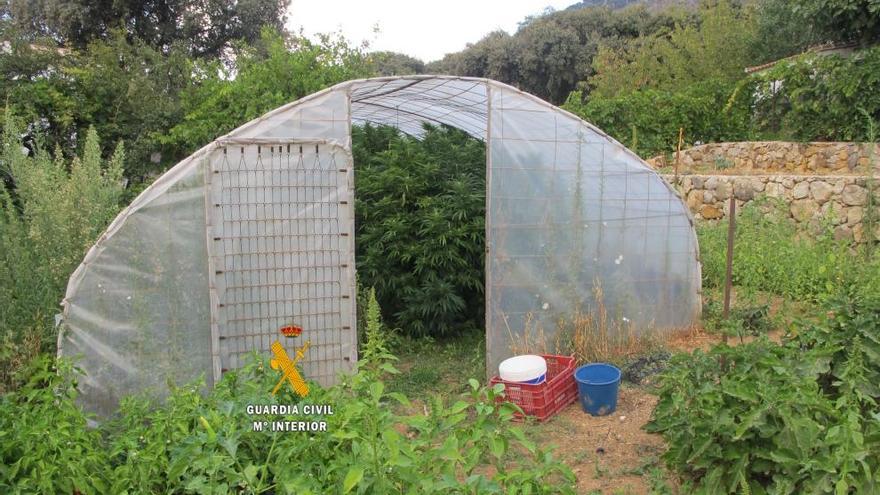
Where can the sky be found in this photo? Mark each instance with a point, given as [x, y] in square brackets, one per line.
[423, 29]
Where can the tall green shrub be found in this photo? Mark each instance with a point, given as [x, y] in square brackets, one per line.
[819, 98]
[51, 211]
[420, 226]
[648, 121]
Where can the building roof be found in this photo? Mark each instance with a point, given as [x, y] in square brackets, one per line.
[830, 48]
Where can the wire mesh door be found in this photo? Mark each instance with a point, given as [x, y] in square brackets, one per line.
[282, 253]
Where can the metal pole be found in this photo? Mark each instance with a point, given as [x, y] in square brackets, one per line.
[678, 153]
[728, 282]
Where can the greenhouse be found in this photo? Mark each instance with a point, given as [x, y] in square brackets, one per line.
[255, 232]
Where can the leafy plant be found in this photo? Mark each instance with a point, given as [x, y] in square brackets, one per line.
[657, 115]
[51, 211]
[420, 217]
[820, 97]
[771, 255]
[46, 446]
[207, 444]
[792, 418]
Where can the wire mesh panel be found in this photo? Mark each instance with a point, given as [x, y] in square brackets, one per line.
[282, 253]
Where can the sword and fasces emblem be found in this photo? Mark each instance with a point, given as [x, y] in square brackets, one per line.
[289, 373]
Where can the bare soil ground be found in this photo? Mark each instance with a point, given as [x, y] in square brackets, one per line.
[608, 454]
[614, 455]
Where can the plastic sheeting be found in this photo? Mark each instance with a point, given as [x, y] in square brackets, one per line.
[572, 214]
[255, 231]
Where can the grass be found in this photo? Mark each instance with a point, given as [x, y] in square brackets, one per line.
[589, 337]
[430, 366]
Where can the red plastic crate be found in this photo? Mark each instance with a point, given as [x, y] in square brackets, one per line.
[543, 400]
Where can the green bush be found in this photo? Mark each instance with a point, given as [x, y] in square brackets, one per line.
[420, 219]
[771, 255]
[273, 71]
[818, 98]
[648, 121]
[779, 419]
[51, 211]
[206, 444]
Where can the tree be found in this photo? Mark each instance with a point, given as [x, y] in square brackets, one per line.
[841, 20]
[781, 31]
[717, 46]
[552, 52]
[271, 72]
[205, 27]
[126, 90]
[396, 64]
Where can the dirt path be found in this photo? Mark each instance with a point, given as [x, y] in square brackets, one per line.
[609, 454]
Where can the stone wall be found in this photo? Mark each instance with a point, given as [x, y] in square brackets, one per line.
[775, 157]
[810, 199]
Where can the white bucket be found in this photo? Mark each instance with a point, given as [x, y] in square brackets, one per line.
[527, 368]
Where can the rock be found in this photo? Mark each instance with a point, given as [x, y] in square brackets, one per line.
[684, 184]
[742, 190]
[787, 182]
[697, 182]
[708, 197]
[774, 190]
[758, 185]
[854, 195]
[853, 162]
[694, 199]
[803, 209]
[712, 182]
[843, 233]
[821, 191]
[800, 190]
[855, 215]
[709, 212]
[722, 190]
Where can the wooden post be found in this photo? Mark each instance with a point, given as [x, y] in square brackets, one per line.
[678, 153]
[728, 279]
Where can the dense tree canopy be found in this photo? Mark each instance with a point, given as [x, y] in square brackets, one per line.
[267, 74]
[841, 20]
[204, 27]
[550, 54]
[396, 64]
[717, 46]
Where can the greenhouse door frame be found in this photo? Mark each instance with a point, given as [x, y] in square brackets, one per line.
[281, 208]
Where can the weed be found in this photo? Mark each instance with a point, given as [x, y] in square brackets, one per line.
[770, 255]
[588, 336]
[205, 444]
[792, 418]
[51, 211]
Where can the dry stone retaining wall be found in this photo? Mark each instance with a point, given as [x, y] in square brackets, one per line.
[769, 157]
[811, 200]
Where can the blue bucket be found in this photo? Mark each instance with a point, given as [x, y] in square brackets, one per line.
[597, 388]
